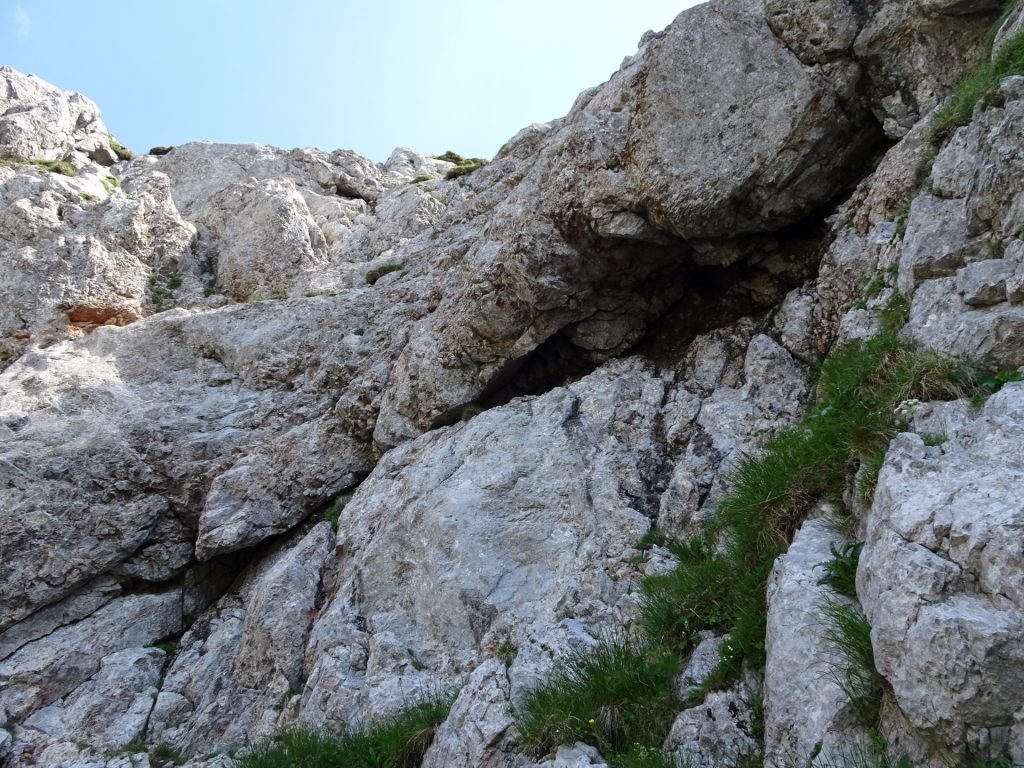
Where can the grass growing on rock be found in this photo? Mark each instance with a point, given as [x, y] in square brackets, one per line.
[55, 166]
[841, 570]
[618, 695]
[720, 578]
[122, 152]
[398, 742]
[375, 274]
[1008, 60]
[849, 634]
[463, 165]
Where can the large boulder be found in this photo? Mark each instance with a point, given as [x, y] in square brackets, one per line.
[41, 122]
[942, 583]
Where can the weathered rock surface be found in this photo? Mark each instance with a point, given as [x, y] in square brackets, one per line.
[940, 578]
[80, 253]
[717, 733]
[404, 355]
[915, 52]
[157, 468]
[962, 258]
[242, 659]
[41, 122]
[805, 711]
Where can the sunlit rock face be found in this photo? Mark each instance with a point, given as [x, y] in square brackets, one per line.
[492, 386]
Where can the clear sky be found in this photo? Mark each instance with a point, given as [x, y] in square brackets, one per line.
[433, 75]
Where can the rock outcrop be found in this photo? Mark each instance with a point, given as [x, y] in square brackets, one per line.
[293, 439]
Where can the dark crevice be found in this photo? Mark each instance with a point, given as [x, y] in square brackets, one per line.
[683, 301]
[717, 296]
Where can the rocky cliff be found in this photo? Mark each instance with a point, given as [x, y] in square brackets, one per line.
[291, 441]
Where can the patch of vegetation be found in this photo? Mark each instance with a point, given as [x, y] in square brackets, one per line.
[55, 166]
[208, 291]
[422, 177]
[465, 167]
[171, 649]
[174, 283]
[506, 650]
[1008, 60]
[450, 157]
[122, 152]
[398, 742]
[841, 570]
[165, 754]
[136, 746]
[849, 634]
[992, 382]
[373, 275]
[86, 197]
[615, 697]
[640, 756]
[334, 508]
[992, 762]
[867, 480]
[110, 183]
[924, 169]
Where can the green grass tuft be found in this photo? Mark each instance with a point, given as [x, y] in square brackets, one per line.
[616, 696]
[398, 742]
[110, 183]
[122, 152]
[56, 166]
[422, 177]
[165, 753]
[333, 510]
[849, 634]
[465, 167]
[136, 746]
[450, 157]
[1009, 60]
[373, 275]
[722, 587]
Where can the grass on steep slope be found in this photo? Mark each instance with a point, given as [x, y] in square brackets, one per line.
[1009, 60]
[398, 742]
[720, 579]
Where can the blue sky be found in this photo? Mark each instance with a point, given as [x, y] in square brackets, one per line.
[445, 74]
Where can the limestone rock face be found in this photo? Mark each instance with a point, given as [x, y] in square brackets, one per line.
[818, 31]
[962, 258]
[403, 355]
[717, 733]
[284, 227]
[81, 253]
[940, 577]
[41, 122]
[243, 658]
[458, 542]
[915, 52]
[805, 711]
[794, 128]
[91, 682]
[514, 374]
